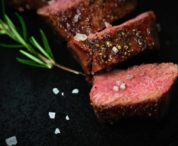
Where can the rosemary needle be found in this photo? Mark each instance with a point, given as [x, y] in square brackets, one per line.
[34, 53]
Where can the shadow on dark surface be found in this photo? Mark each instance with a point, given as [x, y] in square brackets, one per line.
[26, 95]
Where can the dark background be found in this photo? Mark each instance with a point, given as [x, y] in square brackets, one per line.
[26, 95]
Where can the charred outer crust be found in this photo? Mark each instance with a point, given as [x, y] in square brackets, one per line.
[67, 26]
[129, 40]
[155, 109]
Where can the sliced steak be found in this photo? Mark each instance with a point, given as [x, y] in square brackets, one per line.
[141, 91]
[69, 17]
[116, 44]
[23, 5]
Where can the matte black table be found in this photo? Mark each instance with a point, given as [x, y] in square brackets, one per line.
[26, 95]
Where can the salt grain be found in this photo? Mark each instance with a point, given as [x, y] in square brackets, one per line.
[68, 26]
[107, 24]
[75, 91]
[62, 94]
[76, 18]
[55, 91]
[123, 86]
[52, 115]
[80, 37]
[57, 131]
[148, 31]
[115, 88]
[11, 141]
[67, 118]
[115, 50]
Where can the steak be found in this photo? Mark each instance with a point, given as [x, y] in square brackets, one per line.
[140, 91]
[115, 44]
[22, 5]
[69, 17]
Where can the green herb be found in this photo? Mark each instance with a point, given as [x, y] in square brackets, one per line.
[34, 53]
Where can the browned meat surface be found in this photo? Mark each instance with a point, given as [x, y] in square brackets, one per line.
[116, 44]
[22, 5]
[141, 91]
[69, 17]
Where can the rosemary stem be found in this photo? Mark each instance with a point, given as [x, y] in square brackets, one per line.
[36, 55]
[68, 69]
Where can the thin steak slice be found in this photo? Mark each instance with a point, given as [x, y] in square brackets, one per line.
[141, 91]
[69, 17]
[23, 5]
[116, 44]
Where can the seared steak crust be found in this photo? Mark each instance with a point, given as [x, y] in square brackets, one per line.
[141, 91]
[156, 109]
[69, 17]
[116, 44]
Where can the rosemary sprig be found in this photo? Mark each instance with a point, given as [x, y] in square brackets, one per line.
[35, 54]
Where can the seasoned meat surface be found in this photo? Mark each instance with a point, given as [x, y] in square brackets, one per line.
[69, 17]
[116, 44]
[140, 91]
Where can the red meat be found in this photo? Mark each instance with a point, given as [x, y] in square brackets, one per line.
[141, 91]
[116, 44]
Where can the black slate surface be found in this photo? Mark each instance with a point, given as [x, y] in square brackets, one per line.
[26, 95]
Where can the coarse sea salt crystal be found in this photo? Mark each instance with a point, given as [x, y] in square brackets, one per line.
[68, 25]
[107, 24]
[123, 86]
[67, 118]
[115, 50]
[52, 115]
[11, 141]
[119, 85]
[76, 18]
[62, 94]
[57, 131]
[80, 37]
[55, 91]
[75, 91]
[115, 88]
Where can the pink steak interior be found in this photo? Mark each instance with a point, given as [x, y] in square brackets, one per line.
[137, 84]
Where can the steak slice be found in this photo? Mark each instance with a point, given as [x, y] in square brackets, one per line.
[22, 5]
[116, 44]
[69, 17]
[141, 91]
